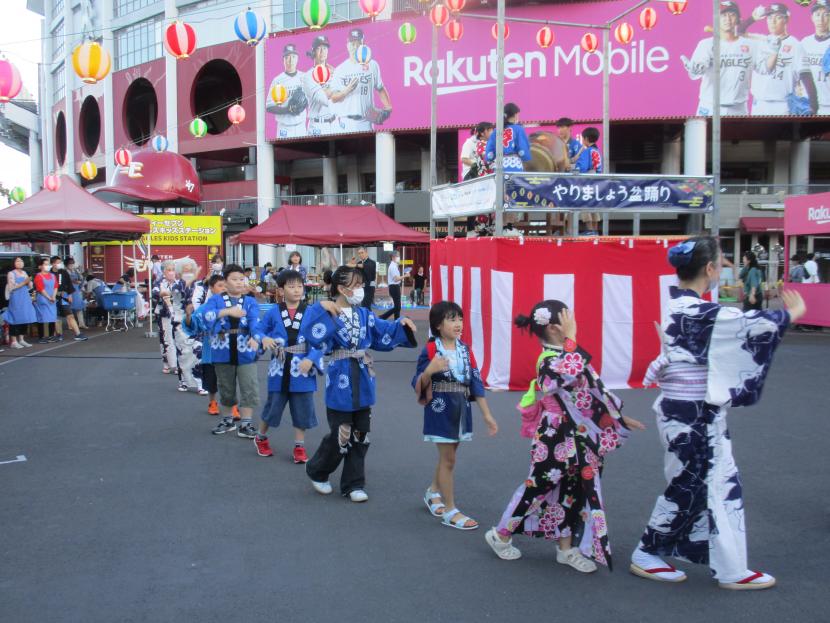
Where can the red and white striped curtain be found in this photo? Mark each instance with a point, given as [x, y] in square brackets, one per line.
[617, 288]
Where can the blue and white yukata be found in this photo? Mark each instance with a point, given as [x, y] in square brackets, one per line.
[350, 388]
[713, 357]
[448, 416]
[516, 148]
[169, 319]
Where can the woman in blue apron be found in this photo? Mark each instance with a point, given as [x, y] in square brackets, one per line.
[46, 285]
[76, 300]
[21, 312]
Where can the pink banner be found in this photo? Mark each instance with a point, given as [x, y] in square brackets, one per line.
[807, 214]
[770, 66]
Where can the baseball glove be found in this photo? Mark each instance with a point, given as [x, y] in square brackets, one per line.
[297, 102]
[377, 115]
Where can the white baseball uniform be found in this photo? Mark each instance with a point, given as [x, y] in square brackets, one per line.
[735, 74]
[814, 50]
[288, 126]
[352, 109]
[321, 116]
[771, 88]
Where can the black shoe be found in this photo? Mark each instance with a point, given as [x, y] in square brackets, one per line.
[225, 426]
[80, 338]
[247, 431]
[54, 339]
[43, 340]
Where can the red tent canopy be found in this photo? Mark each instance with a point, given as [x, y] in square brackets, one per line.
[69, 214]
[329, 225]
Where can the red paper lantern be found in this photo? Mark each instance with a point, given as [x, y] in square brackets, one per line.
[648, 18]
[439, 15]
[589, 42]
[495, 31]
[123, 157]
[52, 182]
[372, 8]
[624, 33]
[455, 5]
[677, 8]
[180, 40]
[236, 114]
[545, 38]
[454, 30]
[321, 74]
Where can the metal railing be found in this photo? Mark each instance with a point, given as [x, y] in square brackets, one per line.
[773, 189]
[340, 199]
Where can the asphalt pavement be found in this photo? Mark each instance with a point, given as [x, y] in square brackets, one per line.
[127, 509]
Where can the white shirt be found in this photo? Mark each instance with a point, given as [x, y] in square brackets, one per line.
[814, 50]
[811, 266]
[320, 107]
[736, 70]
[393, 275]
[468, 151]
[356, 103]
[291, 84]
[776, 85]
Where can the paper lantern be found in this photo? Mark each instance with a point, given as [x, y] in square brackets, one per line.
[362, 54]
[454, 30]
[321, 74]
[236, 114]
[91, 62]
[589, 42]
[545, 38]
[439, 15]
[677, 8]
[455, 5]
[18, 195]
[278, 94]
[249, 27]
[198, 128]
[180, 40]
[123, 157]
[88, 170]
[10, 83]
[159, 143]
[372, 8]
[407, 33]
[624, 33]
[316, 13]
[52, 182]
[495, 31]
[648, 18]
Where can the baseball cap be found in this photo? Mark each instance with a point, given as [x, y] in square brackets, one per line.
[820, 4]
[730, 6]
[319, 40]
[356, 34]
[290, 49]
[779, 8]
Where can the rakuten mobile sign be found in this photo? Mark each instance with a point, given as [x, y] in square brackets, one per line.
[807, 214]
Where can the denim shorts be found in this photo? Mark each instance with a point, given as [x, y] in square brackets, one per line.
[300, 403]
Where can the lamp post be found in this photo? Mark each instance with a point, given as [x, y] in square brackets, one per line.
[715, 222]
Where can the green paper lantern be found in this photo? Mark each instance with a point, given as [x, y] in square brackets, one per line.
[316, 13]
[407, 33]
[198, 128]
[18, 195]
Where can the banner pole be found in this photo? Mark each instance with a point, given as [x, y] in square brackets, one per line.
[500, 122]
[715, 224]
[433, 127]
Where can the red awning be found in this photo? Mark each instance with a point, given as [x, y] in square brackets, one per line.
[154, 178]
[69, 214]
[762, 224]
[329, 225]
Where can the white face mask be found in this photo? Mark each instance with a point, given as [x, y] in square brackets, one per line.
[356, 298]
[217, 266]
[59, 266]
[188, 276]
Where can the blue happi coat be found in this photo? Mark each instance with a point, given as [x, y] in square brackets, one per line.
[350, 383]
[219, 328]
[278, 325]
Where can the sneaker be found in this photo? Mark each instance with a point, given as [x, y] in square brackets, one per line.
[17, 346]
[247, 431]
[80, 338]
[182, 387]
[235, 413]
[59, 338]
[43, 340]
[263, 448]
[574, 558]
[299, 455]
[358, 495]
[24, 342]
[54, 338]
[323, 488]
[204, 392]
[223, 427]
[503, 550]
[213, 408]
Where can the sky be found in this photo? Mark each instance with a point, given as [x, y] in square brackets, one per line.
[20, 32]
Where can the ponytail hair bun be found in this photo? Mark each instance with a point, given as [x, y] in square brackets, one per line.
[543, 314]
[327, 277]
[691, 256]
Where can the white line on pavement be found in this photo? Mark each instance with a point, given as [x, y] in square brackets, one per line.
[20, 459]
[47, 350]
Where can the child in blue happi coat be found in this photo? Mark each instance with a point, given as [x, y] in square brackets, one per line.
[291, 379]
[446, 380]
[350, 379]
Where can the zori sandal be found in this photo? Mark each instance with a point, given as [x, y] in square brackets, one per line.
[666, 573]
[436, 509]
[454, 518]
[755, 581]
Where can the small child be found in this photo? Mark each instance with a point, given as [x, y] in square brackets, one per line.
[446, 380]
[589, 159]
[574, 424]
[287, 329]
[194, 326]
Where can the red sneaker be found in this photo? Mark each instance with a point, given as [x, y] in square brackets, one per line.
[263, 448]
[213, 408]
[299, 455]
[235, 412]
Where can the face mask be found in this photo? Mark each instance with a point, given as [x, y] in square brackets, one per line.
[217, 266]
[59, 266]
[188, 276]
[356, 297]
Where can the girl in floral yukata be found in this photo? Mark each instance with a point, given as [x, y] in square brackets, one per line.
[713, 357]
[574, 424]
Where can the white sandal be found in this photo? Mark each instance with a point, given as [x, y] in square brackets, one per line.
[755, 581]
[505, 551]
[574, 559]
[459, 521]
[434, 507]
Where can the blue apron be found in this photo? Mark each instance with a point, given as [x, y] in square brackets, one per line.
[77, 297]
[21, 310]
[46, 310]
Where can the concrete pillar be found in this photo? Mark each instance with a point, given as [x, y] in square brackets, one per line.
[35, 162]
[736, 255]
[800, 166]
[672, 154]
[330, 179]
[108, 114]
[773, 259]
[47, 87]
[781, 163]
[352, 174]
[424, 169]
[250, 168]
[694, 161]
[171, 89]
[264, 150]
[385, 172]
[70, 41]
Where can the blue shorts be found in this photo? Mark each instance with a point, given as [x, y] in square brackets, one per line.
[300, 403]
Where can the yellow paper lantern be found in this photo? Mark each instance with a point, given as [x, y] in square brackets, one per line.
[91, 62]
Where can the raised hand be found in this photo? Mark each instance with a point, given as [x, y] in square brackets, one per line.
[794, 304]
[567, 324]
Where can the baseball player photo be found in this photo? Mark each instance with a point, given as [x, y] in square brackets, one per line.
[737, 61]
[815, 48]
[781, 81]
[321, 99]
[355, 85]
[291, 114]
